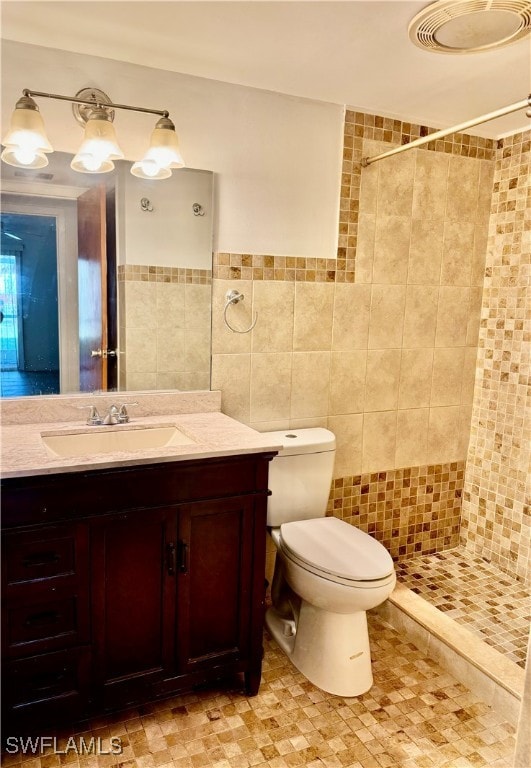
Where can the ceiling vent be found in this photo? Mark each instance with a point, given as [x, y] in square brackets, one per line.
[470, 26]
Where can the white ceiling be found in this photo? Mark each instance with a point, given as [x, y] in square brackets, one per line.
[355, 53]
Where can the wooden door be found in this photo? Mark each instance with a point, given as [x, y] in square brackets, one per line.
[92, 282]
[133, 598]
[214, 582]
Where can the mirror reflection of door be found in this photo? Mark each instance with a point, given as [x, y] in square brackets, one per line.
[47, 290]
[29, 329]
[97, 359]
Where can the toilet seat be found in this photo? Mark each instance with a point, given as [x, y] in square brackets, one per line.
[336, 551]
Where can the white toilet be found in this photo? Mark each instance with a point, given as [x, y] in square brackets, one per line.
[327, 573]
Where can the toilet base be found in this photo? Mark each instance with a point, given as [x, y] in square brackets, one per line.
[330, 649]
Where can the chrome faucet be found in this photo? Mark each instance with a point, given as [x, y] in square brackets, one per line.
[115, 415]
[118, 415]
[94, 419]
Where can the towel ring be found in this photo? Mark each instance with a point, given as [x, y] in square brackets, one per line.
[233, 297]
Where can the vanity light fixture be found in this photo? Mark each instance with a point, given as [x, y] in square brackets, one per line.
[26, 144]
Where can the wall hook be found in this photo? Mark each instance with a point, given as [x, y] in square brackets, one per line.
[197, 208]
[145, 204]
[233, 297]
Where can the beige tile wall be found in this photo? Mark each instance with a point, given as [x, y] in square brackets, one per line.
[164, 328]
[380, 346]
[496, 522]
[388, 362]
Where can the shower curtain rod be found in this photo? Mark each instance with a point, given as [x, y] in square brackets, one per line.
[525, 103]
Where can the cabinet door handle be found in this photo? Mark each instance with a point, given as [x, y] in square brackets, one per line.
[183, 557]
[170, 558]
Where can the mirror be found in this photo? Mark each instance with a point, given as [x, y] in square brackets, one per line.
[105, 280]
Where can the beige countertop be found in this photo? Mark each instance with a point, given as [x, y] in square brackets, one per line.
[213, 434]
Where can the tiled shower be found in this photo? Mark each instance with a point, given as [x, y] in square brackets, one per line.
[407, 347]
[410, 347]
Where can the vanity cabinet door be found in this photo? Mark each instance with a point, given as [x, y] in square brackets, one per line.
[217, 584]
[133, 603]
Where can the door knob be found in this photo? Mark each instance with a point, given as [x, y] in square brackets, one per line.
[104, 353]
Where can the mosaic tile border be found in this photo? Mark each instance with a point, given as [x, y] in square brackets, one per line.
[496, 522]
[238, 266]
[411, 511]
[153, 274]
[377, 128]
[360, 126]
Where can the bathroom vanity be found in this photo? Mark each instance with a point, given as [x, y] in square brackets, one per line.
[123, 584]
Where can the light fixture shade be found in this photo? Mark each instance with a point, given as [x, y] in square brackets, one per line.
[22, 158]
[26, 141]
[99, 146]
[164, 145]
[85, 162]
[148, 169]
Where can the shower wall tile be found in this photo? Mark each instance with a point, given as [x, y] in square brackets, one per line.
[347, 381]
[420, 320]
[391, 249]
[452, 316]
[352, 306]
[379, 440]
[416, 371]
[425, 251]
[395, 185]
[348, 430]
[431, 182]
[365, 247]
[447, 376]
[387, 316]
[274, 301]
[443, 434]
[496, 522]
[382, 380]
[378, 345]
[463, 180]
[314, 304]
[310, 384]
[458, 251]
[415, 510]
[412, 437]
[270, 385]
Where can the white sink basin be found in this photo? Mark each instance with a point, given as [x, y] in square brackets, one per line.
[105, 440]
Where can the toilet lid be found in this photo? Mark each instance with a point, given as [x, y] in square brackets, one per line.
[334, 547]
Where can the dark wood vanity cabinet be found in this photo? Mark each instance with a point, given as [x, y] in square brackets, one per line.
[124, 585]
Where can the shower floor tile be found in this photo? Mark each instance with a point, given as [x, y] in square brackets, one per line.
[415, 716]
[474, 593]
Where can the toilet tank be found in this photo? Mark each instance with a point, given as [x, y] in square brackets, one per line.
[300, 475]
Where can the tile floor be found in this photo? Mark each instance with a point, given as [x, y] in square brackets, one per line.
[474, 593]
[415, 716]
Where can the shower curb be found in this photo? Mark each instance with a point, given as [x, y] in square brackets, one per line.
[498, 681]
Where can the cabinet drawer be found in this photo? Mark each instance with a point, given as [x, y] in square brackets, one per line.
[40, 683]
[42, 621]
[39, 555]
[42, 618]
